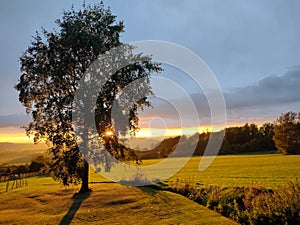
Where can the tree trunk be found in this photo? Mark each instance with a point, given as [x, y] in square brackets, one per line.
[85, 178]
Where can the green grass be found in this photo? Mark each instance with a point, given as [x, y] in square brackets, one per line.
[268, 170]
[47, 202]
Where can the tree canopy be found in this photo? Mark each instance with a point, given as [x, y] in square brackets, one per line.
[52, 68]
[287, 133]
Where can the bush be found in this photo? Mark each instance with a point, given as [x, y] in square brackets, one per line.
[281, 207]
[21, 169]
[253, 205]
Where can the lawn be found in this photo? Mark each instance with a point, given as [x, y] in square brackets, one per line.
[268, 170]
[47, 202]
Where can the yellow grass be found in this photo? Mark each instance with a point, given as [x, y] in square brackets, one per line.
[47, 202]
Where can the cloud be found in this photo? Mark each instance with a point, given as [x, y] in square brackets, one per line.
[14, 120]
[266, 99]
[260, 102]
[270, 91]
[239, 40]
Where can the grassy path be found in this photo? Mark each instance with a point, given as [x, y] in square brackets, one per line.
[46, 202]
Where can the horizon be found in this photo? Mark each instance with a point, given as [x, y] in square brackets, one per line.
[144, 133]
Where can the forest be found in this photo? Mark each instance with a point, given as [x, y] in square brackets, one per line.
[281, 136]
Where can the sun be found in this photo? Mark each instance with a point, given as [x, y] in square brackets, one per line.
[109, 133]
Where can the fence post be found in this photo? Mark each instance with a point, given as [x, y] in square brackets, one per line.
[7, 185]
[12, 187]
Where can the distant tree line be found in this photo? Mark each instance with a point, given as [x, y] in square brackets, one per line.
[248, 138]
[39, 164]
[283, 135]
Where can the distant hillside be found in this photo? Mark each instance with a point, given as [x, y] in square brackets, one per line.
[162, 150]
[143, 143]
[19, 153]
[181, 143]
[247, 139]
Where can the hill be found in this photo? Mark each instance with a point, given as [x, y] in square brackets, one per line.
[162, 150]
[167, 147]
[139, 143]
[19, 153]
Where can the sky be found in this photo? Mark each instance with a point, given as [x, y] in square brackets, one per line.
[252, 47]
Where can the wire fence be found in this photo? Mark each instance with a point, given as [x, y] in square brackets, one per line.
[8, 176]
[10, 182]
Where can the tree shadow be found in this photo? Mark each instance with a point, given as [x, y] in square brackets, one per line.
[77, 200]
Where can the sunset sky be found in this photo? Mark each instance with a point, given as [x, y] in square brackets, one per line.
[252, 47]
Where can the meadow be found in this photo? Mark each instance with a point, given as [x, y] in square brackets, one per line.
[267, 170]
[20, 153]
[47, 202]
[249, 189]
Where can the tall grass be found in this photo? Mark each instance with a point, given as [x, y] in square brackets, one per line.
[254, 205]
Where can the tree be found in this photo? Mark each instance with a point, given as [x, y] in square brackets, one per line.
[52, 68]
[266, 133]
[36, 166]
[287, 133]
[22, 169]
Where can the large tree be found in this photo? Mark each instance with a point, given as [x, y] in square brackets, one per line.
[287, 133]
[52, 68]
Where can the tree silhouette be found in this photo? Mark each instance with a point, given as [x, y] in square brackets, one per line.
[52, 68]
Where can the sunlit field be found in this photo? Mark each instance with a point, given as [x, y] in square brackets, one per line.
[44, 201]
[267, 170]
[270, 170]
[20, 153]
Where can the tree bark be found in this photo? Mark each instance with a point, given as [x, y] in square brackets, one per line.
[85, 178]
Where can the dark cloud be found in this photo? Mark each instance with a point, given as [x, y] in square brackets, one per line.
[270, 91]
[259, 102]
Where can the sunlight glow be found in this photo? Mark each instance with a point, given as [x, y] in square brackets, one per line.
[14, 135]
[170, 132]
[109, 133]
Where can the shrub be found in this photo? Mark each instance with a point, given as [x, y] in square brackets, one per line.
[254, 205]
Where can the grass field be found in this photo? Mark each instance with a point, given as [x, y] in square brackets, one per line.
[270, 170]
[47, 202]
[20, 153]
[267, 170]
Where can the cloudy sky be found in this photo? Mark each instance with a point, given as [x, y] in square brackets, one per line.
[252, 47]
